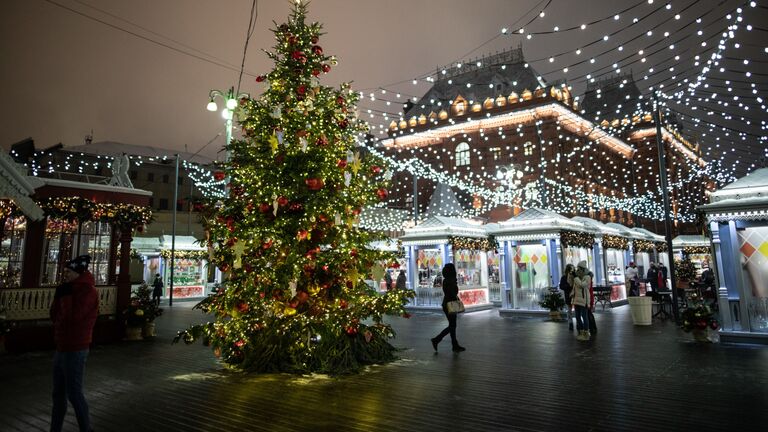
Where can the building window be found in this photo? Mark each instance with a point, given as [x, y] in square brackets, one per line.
[163, 204]
[462, 154]
[528, 148]
[495, 153]
[12, 251]
[165, 178]
[150, 176]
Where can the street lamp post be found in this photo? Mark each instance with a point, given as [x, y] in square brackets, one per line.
[228, 113]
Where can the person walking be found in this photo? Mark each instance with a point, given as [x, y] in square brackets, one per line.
[450, 293]
[400, 282]
[580, 300]
[388, 280]
[157, 289]
[566, 286]
[630, 276]
[73, 312]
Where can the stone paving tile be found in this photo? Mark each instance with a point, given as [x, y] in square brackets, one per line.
[518, 374]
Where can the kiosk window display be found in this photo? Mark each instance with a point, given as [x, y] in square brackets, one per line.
[65, 240]
[471, 280]
[430, 265]
[189, 273]
[494, 276]
[753, 245]
[531, 276]
[614, 263]
[12, 251]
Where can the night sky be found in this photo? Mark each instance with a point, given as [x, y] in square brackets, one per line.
[64, 74]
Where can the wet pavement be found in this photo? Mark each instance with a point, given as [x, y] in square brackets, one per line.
[518, 374]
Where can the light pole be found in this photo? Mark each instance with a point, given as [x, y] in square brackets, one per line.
[228, 113]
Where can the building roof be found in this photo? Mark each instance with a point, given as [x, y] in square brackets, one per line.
[690, 240]
[443, 202]
[609, 95]
[745, 195]
[112, 148]
[596, 227]
[534, 223]
[437, 229]
[506, 71]
[17, 186]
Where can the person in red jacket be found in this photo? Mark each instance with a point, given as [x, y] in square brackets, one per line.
[73, 313]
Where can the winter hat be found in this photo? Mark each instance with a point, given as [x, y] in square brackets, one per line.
[79, 264]
[583, 264]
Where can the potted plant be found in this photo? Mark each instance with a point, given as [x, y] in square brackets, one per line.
[150, 309]
[134, 321]
[699, 319]
[555, 303]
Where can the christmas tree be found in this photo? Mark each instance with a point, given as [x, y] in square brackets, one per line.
[295, 297]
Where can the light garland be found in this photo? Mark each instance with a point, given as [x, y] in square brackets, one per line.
[696, 250]
[124, 216]
[643, 246]
[473, 244]
[615, 242]
[576, 239]
[184, 254]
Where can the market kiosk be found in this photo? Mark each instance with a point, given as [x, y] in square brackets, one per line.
[737, 216]
[696, 247]
[439, 240]
[190, 272]
[534, 247]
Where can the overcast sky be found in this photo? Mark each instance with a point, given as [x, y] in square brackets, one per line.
[63, 74]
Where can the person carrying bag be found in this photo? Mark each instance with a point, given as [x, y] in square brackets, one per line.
[452, 306]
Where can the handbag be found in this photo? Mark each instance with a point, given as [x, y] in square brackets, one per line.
[454, 306]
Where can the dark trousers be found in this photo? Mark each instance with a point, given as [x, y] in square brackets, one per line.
[451, 329]
[68, 375]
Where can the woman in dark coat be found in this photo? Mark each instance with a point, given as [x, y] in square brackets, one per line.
[450, 293]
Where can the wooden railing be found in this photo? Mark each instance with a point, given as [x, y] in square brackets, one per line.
[34, 303]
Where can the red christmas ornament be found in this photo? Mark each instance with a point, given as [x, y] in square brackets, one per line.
[314, 39]
[264, 207]
[224, 267]
[351, 330]
[317, 49]
[302, 234]
[343, 304]
[342, 163]
[343, 123]
[314, 184]
[249, 207]
[714, 325]
[267, 244]
[322, 141]
[292, 40]
[282, 201]
[219, 175]
[382, 194]
[326, 68]
[301, 133]
[296, 207]
[302, 296]
[353, 253]
[260, 78]
[239, 343]
[375, 169]
[340, 100]
[242, 307]
[315, 72]
[302, 90]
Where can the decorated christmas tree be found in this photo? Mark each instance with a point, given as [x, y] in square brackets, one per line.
[295, 297]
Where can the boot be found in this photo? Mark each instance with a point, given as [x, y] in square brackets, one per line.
[458, 348]
[434, 343]
[587, 336]
[580, 336]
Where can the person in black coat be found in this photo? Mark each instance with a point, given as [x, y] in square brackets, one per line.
[450, 293]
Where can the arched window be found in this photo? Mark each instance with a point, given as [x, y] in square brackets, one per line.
[462, 154]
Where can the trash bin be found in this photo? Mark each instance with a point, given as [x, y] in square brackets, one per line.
[641, 308]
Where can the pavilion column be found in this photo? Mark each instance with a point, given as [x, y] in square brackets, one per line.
[124, 277]
[33, 251]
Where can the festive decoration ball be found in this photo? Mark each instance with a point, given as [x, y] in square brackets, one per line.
[326, 68]
[343, 123]
[382, 194]
[267, 244]
[351, 330]
[296, 207]
[340, 100]
[353, 252]
[282, 201]
[315, 39]
[315, 72]
[264, 207]
[242, 307]
[714, 325]
[260, 78]
[219, 175]
[701, 324]
[342, 163]
[317, 49]
[314, 184]
[292, 40]
[302, 90]
[375, 169]
[343, 304]
[322, 141]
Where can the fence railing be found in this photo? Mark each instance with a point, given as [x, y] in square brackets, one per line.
[34, 303]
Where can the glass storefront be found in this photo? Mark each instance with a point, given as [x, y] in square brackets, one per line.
[614, 266]
[531, 275]
[429, 289]
[574, 255]
[468, 268]
[494, 276]
[189, 277]
[753, 248]
[12, 251]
